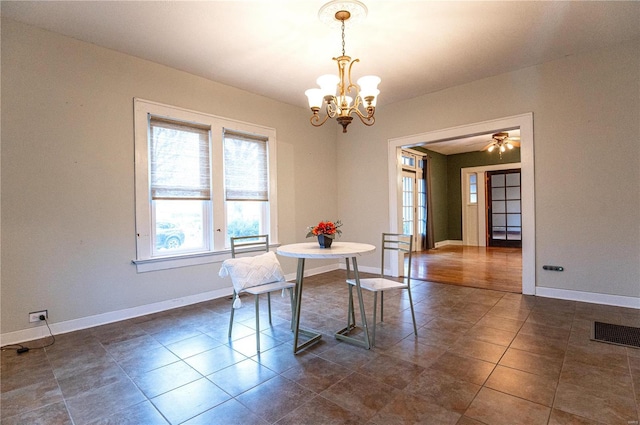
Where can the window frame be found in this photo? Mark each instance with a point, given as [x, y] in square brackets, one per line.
[218, 248]
[470, 193]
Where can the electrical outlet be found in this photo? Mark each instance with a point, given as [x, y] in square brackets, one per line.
[35, 316]
[553, 268]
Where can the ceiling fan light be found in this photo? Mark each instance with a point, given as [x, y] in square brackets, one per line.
[509, 145]
[491, 148]
[502, 149]
[314, 96]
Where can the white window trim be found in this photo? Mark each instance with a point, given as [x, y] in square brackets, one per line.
[144, 261]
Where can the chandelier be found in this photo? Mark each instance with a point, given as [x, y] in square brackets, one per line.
[335, 90]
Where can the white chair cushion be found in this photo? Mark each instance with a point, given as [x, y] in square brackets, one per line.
[377, 284]
[246, 272]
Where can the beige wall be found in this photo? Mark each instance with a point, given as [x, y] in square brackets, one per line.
[68, 228]
[67, 170]
[586, 111]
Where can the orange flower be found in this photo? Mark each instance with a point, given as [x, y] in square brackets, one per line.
[327, 228]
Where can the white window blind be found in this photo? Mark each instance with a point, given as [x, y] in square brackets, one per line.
[245, 167]
[179, 158]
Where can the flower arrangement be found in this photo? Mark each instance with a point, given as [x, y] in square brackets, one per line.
[327, 228]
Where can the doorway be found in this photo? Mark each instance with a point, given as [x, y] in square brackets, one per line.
[522, 122]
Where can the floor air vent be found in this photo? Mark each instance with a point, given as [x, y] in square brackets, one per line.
[616, 334]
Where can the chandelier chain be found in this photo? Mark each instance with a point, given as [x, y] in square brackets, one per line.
[343, 37]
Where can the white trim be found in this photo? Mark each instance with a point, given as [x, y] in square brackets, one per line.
[449, 242]
[41, 331]
[525, 123]
[162, 263]
[363, 269]
[589, 297]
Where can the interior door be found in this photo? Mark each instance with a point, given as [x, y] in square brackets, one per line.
[504, 208]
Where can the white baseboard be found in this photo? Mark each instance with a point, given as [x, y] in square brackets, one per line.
[589, 297]
[365, 269]
[129, 313]
[447, 242]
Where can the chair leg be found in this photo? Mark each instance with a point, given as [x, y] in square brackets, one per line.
[413, 314]
[375, 309]
[258, 323]
[232, 312]
[269, 303]
[351, 315]
[353, 310]
[293, 307]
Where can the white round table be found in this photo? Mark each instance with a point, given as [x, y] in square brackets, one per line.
[347, 250]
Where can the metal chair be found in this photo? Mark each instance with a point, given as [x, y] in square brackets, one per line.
[254, 275]
[403, 244]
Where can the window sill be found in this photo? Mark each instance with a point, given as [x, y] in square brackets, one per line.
[185, 260]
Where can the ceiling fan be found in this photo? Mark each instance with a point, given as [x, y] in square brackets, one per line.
[501, 141]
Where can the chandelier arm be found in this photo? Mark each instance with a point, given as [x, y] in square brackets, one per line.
[368, 119]
[332, 108]
[315, 120]
[349, 75]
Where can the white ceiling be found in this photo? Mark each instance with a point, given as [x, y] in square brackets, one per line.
[467, 144]
[278, 48]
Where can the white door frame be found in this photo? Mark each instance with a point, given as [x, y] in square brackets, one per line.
[525, 123]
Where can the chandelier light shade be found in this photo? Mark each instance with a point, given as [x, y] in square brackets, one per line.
[337, 93]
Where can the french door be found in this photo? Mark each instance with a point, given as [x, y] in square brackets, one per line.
[504, 208]
[409, 209]
[413, 198]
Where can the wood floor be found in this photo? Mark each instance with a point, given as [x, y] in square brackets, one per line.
[499, 269]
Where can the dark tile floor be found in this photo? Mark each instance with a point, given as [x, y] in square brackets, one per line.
[481, 357]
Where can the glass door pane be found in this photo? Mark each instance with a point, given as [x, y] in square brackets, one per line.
[504, 208]
[408, 203]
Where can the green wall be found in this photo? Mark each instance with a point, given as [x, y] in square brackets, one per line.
[454, 193]
[446, 187]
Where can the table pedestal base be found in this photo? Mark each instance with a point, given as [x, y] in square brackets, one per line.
[343, 334]
[347, 250]
[313, 336]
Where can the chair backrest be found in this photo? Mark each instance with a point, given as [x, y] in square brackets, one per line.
[251, 270]
[249, 244]
[400, 242]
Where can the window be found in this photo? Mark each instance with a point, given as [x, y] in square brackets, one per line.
[200, 180]
[408, 160]
[246, 185]
[473, 188]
